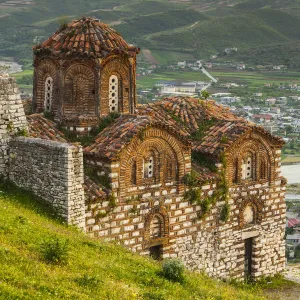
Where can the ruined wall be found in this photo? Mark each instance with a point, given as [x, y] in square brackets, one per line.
[53, 171]
[12, 117]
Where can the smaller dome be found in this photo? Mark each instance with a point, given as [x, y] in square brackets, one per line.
[86, 37]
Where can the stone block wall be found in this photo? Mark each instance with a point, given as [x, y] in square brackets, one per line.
[12, 117]
[53, 171]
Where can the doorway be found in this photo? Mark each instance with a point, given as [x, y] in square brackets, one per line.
[248, 258]
[156, 252]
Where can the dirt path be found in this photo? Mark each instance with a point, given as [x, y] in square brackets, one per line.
[292, 273]
[148, 55]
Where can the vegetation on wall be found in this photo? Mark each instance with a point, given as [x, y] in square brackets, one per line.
[85, 140]
[194, 191]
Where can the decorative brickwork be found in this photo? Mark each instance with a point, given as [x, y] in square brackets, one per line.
[80, 59]
[139, 186]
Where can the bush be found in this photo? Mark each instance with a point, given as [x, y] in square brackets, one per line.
[173, 269]
[55, 250]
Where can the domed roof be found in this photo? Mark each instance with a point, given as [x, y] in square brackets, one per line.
[86, 37]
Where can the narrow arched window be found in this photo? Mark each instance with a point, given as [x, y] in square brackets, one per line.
[148, 167]
[133, 173]
[48, 93]
[155, 228]
[247, 167]
[236, 171]
[169, 169]
[113, 97]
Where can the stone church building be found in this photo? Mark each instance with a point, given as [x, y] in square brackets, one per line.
[180, 177]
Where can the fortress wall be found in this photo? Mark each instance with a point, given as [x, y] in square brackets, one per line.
[53, 171]
[12, 117]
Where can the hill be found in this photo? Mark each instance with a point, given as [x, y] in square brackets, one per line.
[92, 269]
[188, 29]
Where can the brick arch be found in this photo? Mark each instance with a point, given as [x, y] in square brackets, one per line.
[257, 208]
[259, 148]
[79, 90]
[158, 140]
[47, 68]
[120, 68]
[159, 212]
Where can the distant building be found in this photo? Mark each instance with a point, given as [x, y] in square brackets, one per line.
[241, 67]
[293, 239]
[270, 101]
[181, 64]
[258, 95]
[262, 118]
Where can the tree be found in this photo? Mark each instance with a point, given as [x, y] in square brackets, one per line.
[297, 252]
[204, 94]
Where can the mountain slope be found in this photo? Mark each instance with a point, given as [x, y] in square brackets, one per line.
[212, 36]
[94, 270]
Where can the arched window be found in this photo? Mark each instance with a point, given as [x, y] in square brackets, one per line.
[247, 167]
[249, 215]
[148, 167]
[133, 173]
[113, 97]
[264, 169]
[156, 228]
[48, 93]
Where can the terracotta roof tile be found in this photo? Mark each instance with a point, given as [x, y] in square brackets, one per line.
[191, 114]
[115, 137]
[40, 127]
[87, 33]
[93, 192]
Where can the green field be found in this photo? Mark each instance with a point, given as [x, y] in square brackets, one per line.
[148, 81]
[90, 269]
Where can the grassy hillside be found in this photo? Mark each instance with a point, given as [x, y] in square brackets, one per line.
[189, 29]
[153, 23]
[91, 267]
[215, 35]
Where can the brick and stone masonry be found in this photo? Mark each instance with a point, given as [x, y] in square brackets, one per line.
[12, 117]
[53, 171]
[133, 183]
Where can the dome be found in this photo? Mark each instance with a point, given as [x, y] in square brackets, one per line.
[87, 37]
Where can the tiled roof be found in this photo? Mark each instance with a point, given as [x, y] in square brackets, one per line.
[219, 128]
[115, 137]
[40, 127]
[204, 174]
[93, 192]
[88, 37]
[220, 136]
[192, 114]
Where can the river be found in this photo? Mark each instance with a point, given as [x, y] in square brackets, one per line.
[291, 173]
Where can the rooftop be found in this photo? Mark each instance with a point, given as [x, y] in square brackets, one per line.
[87, 37]
[40, 127]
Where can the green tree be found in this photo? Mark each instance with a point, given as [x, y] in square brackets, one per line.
[204, 94]
[297, 252]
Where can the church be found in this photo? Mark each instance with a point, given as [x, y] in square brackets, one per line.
[178, 178]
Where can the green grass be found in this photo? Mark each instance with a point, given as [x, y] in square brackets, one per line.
[149, 81]
[93, 267]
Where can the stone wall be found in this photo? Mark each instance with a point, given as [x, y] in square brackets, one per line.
[53, 171]
[12, 117]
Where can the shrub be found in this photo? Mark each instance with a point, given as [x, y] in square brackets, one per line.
[173, 269]
[225, 212]
[55, 250]
[88, 280]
